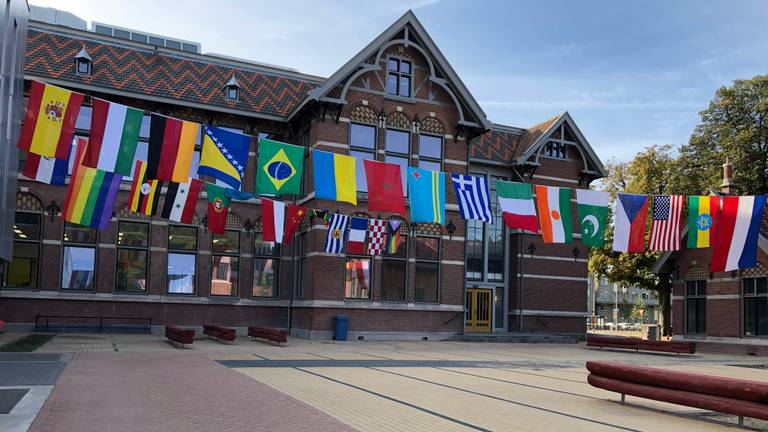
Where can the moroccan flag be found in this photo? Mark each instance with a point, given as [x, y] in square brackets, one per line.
[702, 215]
[114, 136]
[295, 215]
[385, 187]
[279, 169]
[224, 156]
[427, 192]
[272, 220]
[46, 169]
[393, 236]
[171, 145]
[218, 208]
[734, 245]
[181, 201]
[50, 120]
[592, 208]
[517, 209]
[91, 194]
[554, 205]
[145, 193]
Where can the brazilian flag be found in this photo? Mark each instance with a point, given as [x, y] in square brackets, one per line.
[279, 169]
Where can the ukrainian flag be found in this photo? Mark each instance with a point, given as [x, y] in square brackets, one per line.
[334, 176]
[224, 155]
[426, 190]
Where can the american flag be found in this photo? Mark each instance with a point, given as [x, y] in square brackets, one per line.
[665, 225]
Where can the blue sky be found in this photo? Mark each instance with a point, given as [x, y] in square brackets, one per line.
[632, 73]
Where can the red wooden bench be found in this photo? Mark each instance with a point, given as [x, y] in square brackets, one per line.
[269, 333]
[736, 396]
[637, 344]
[222, 333]
[179, 335]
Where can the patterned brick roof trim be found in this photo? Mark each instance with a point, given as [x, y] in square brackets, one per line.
[135, 70]
[535, 132]
[496, 145]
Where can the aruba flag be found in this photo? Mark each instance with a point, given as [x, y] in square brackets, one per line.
[224, 155]
[629, 223]
[334, 176]
[427, 192]
[734, 245]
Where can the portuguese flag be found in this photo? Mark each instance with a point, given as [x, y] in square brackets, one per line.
[50, 121]
[702, 215]
[218, 207]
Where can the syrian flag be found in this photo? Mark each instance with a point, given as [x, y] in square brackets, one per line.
[181, 201]
[357, 230]
[738, 227]
[272, 220]
[554, 213]
[516, 201]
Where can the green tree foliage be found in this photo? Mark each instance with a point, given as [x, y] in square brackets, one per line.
[639, 305]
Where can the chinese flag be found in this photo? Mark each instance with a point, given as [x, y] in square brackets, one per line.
[385, 187]
[296, 214]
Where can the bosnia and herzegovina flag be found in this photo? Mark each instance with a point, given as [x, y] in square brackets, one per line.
[427, 192]
[224, 155]
[50, 120]
[702, 215]
[334, 176]
[280, 167]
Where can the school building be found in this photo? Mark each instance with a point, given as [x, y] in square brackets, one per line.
[398, 100]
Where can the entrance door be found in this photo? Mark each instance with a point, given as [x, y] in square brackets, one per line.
[478, 313]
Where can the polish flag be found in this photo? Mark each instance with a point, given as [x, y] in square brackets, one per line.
[735, 242]
[272, 220]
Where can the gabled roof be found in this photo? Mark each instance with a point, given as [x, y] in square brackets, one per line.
[410, 21]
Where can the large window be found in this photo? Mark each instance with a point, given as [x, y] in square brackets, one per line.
[485, 244]
[393, 273]
[696, 307]
[182, 250]
[362, 145]
[430, 152]
[756, 307]
[225, 263]
[398, 151]
[357, 278]
[427, 269]
[79, 266]
[266, 265]
[132, 255]
[23, 270]
[399, 77]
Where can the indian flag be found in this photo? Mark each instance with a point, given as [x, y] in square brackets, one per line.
[114, 137]
[554, 213]
[517, 208]
[702, 213]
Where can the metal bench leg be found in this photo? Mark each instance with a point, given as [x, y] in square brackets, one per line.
[623, 398]
[741, 420]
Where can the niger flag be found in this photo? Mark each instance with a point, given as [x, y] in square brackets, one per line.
[171, 144]
[50, 121]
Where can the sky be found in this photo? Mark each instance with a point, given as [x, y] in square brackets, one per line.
[631, 73]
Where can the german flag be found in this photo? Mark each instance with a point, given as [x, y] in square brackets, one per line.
[50, 121]
[171, 144]
[145, 193]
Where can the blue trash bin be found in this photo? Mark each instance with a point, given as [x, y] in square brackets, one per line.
[340, 327]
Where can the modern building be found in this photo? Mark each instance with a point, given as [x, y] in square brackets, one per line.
[613, 303]
[398, 100]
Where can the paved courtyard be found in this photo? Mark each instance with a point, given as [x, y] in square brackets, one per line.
[139, 382]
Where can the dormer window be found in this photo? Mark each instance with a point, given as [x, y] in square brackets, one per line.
[83, 63]
[399, 76]
[232, 89]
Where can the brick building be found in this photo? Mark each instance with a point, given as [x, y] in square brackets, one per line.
[398, 100]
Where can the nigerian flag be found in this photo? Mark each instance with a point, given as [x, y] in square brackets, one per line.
[592, 207]
[279, 169]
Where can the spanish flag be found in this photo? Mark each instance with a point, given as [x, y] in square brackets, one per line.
[50, 121]
[171, 145]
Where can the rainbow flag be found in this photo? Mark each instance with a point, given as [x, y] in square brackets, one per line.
[702, 215]
[393, 236]
[90, 195]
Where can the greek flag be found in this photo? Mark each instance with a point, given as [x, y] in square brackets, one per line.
[474, 198]
[337, 229]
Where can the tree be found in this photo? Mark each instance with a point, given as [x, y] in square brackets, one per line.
[639, 306]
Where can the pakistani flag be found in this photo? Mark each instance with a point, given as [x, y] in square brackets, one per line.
[279, 169]
[592, 207]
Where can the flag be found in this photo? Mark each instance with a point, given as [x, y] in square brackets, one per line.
[337, 228]
[239, 195]
[224, 155]
[629, 223]
[734, 245]
[334, 176]
[426, 190]
[517, 209]
[171, 145]
[47, 169]
[592, 208]
[665, 222]
[473, 196]
[91, 194]
[377, 233]
[279, 169]
[50, 120]
[702, 216]
[322, 214]
[181, 201]
[554, 205]
[385, 187]
[393, 236]
[296, 214]
[218, 208]
[357, 229]
[272, 220]
[145, 193]
[114, 137]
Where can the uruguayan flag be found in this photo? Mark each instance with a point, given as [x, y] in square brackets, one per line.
[337, 229]
[474, 198]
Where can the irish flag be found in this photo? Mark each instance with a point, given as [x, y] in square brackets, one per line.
[114, 136]
[735, 242]
[554, 213]
[517, 209]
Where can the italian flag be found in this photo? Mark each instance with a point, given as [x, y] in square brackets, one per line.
[517, 209]
[272, 220]
[114, 136]
[554, 214]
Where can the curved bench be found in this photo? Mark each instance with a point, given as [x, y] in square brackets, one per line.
[222, 333]
[740, 397]
[269, 333]
[637, 344]
[179, 335]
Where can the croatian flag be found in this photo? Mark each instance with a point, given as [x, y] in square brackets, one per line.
[629, 223]
[357, 230]
[735, 243]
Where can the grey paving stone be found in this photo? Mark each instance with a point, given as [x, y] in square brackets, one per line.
[20, 373]
[9, 398]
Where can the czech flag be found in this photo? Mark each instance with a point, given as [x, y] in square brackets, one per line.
[735, 241]
[629, 223]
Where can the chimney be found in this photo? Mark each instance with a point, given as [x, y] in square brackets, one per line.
[728, 187]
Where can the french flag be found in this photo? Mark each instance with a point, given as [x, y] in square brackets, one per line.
[629, 223]
[735, 241]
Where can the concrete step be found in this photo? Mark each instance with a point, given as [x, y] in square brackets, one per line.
[517, 338]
